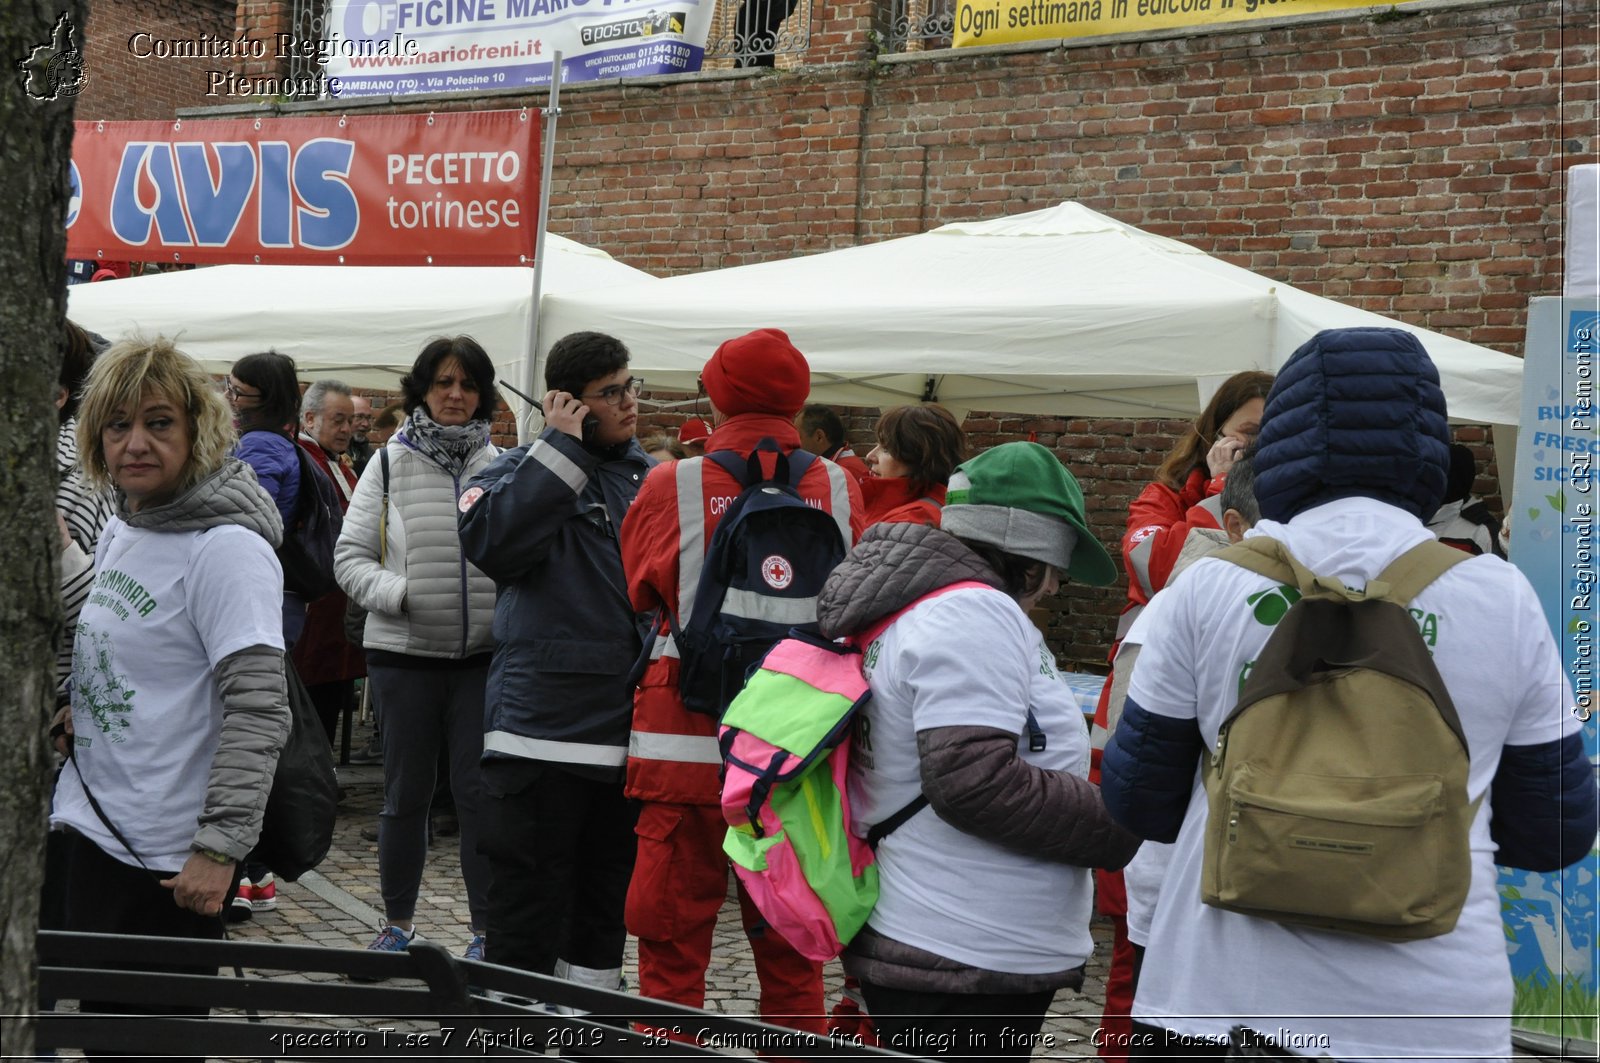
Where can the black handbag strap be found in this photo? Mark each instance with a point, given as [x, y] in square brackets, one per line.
[94, 803]
[882, 830]
[98, 811]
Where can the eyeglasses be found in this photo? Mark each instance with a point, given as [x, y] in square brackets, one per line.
[230, 389]
[612, 395]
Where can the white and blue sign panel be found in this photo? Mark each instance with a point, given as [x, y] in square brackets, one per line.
[1550, 919]
[396, 47]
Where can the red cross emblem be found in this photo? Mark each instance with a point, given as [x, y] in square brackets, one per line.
[777, 571]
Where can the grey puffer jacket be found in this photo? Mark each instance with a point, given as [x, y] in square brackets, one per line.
[973, 777]
[255, 699]
[423, 597]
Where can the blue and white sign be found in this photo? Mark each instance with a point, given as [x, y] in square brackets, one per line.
[395, 47]
[1550, 919]
[75, 199]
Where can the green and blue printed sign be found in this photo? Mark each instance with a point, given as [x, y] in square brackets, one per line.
[1550, 919]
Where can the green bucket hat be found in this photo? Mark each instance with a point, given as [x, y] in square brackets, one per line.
[1018, 497]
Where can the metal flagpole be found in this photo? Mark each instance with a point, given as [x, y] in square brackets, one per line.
[533, 417]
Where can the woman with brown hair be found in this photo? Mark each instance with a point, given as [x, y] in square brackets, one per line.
[1186, 494]
[428, 630]
[918, 448]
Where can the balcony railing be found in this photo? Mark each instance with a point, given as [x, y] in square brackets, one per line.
[920, 25]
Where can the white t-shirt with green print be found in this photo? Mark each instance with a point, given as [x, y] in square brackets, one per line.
[969, 658]
[1205, 968]
[165, 608]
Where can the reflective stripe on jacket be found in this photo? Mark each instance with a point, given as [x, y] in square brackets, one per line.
[672, 752]
[542, 523]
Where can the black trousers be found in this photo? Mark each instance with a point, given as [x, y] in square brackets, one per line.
[964, 1025]
[102, 895]
[331, 700]
[560, 849]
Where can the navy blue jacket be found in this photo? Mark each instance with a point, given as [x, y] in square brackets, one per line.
[1355, 412]
[545, 530]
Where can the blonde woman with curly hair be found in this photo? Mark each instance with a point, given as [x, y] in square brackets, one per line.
[178, 709]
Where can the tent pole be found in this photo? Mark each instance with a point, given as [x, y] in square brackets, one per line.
[530, 363]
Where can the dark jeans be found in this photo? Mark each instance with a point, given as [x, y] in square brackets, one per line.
[965, 1025]
[425, 710]
[102, 895]
[560, 851]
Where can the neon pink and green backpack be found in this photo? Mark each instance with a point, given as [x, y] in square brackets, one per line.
[786, 742]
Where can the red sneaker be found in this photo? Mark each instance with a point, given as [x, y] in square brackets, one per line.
[242, 907]
[264, 894]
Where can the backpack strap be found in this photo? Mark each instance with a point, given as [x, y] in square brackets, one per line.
[383, 509]
[868, 635]
[1036, 735]
[1478, 513]
[733, 465]
[882, 830]
[1413, 570]
[788, 469]
[303, 504]
[1267, 557]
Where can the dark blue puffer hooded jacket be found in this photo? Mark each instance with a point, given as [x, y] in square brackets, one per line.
[1354, 413]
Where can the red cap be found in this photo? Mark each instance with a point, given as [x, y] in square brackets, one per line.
[760, 372]
[694, 430]
[103, 275]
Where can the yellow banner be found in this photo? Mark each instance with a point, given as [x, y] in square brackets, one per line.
[1009, 21]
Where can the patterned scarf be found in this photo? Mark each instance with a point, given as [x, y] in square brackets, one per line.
[449, 447]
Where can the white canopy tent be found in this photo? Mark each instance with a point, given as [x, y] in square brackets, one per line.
[361, 324]
[1059, 311]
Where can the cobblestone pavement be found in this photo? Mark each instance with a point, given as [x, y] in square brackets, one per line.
[339, 906]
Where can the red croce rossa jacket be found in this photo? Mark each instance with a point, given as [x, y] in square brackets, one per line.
[672, 752]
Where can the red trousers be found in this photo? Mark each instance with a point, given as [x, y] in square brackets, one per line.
[1117, 1021]
[680, 881]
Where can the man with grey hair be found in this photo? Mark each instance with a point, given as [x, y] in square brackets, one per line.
[327, 418]
[327, 662]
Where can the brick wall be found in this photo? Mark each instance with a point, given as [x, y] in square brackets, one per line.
[124, 87]
[264, 20]
[1408, 162]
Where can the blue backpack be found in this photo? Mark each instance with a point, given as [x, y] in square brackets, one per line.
[763, 569]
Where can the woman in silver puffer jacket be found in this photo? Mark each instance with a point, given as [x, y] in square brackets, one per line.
[429, 614]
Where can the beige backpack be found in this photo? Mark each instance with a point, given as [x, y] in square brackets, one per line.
[1338, 785]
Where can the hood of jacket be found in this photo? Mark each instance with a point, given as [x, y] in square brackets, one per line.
[892, 566]
[231, 495]
[1354, 413]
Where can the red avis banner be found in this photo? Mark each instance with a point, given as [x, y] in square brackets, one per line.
[447, 189]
